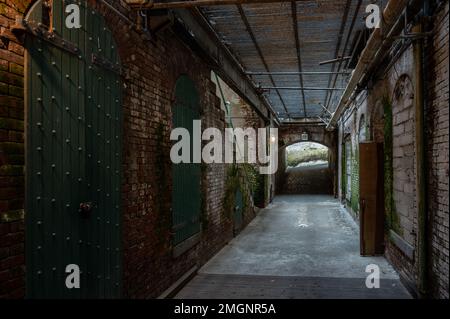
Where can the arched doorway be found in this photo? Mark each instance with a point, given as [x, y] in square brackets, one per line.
[308, 169]
[73, 156]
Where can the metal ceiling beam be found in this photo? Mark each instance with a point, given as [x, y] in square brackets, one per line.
[313, 121]
[260, 53]
[338, 44]
[323, 120]
[297, 46]
[376, 48]
[221, 60]
[148, 4]
[325, 109]
[347, 40]
[345, 58]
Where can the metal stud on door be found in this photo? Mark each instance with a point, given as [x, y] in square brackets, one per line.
[73, 155]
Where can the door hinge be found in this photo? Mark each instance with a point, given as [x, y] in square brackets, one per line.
[106, 64]
[40, 31]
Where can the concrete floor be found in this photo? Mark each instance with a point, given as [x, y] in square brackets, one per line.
[297, 236]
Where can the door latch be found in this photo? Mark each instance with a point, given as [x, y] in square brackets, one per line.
[86, 209]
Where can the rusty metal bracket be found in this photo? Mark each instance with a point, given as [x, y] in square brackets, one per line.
[40, 31]
[106, 64]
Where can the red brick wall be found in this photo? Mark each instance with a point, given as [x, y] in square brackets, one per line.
[12, 259]
[438, 154]
[151, 71]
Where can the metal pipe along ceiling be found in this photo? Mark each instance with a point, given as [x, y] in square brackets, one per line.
[391, 14]
[338, 46]
[347, 40]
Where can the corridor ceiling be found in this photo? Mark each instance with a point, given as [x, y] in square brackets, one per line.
[292, 38]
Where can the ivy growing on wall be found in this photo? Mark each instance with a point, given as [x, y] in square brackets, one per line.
[392, 219]
[354, 202]
[232, 183]
[343, 171]
[246, 179]
[252, 176]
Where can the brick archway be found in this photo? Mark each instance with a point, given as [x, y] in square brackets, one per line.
[292, 134]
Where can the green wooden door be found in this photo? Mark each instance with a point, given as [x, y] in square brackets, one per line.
[73, 156]
[186, 197]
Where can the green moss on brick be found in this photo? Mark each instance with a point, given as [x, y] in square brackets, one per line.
[343, 171]
[251, 176]
[392, 219]
[354, 202]
[3, 9]
[242, 177]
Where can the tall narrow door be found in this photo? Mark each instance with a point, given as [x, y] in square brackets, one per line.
[371, 187]
[73, 155]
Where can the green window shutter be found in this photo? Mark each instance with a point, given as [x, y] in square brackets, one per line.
[186, 197]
